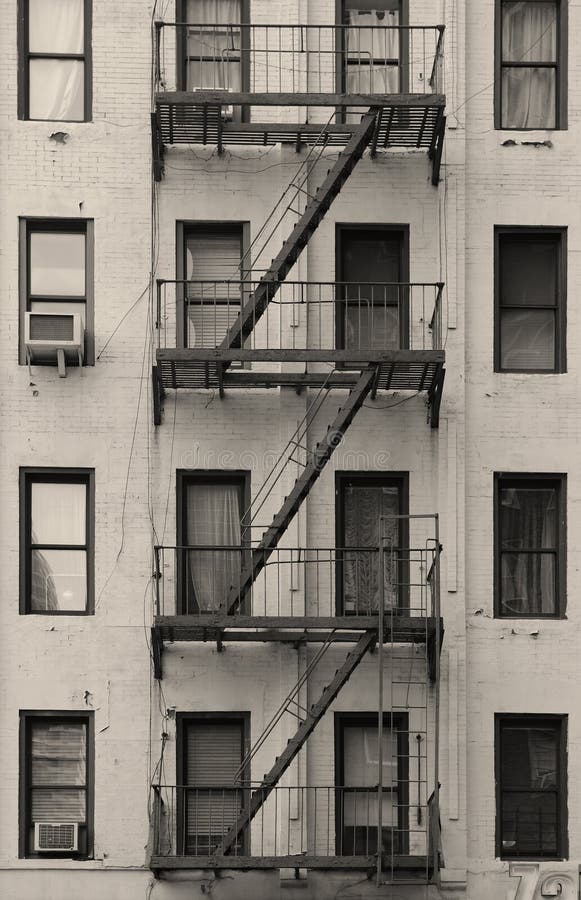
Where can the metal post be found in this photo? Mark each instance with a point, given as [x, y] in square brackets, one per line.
[380, 707]
[436, 809]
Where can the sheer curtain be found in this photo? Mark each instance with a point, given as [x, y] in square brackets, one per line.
[529, 35]
[56, 85]
[372, 40]
[363, 507]
[58, 517]
[528, 523]
[213, 519]
[209, 52]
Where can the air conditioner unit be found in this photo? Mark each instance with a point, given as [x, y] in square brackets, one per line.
[227, 111]
[49, 333]
[56, 837]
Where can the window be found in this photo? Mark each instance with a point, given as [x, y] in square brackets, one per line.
[56, 782]
[211, 507]
[210, 751]
[531, 64]
[372, 263]
[213, 47]
[531, 786]
[530, 287]
[55, 60]
[56, 276]
[209, 259]
[361, 499]
[357, 777]
[530, 545]
[373, 48]
[57, 544]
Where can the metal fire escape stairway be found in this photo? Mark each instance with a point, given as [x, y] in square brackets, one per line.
[320, 457]
[305, 729]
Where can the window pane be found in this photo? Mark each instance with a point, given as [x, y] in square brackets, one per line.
[58, 513]
[56, 90]
[372, 327]
[58, 753]
[528, 585]
[529, 98]
[213, 12]
[527, 339]
[58, 580]
[50, 805]
[529, 824]
[528, 271]
[529, 31]
[55, 26]
[214, 76]
[370, 257]
[528, 518]
[57, 264]
[529, 757]
[360, 756]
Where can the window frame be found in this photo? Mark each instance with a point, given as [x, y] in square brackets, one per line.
[31, 224]
[556, 721]
[341, 63]
[186, 228]
[403, 233]
[183, 719]
[560, 66]
[24, 57]
[400, 480]
[529, 479]
[27, 718]
[28, 475]
[184, 477]
[558, 234]
[398, 721]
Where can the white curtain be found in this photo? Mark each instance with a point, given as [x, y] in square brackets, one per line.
[213, 519]
[528, 522]
[527, 339]
[210, 52]
[56, 85]
[372, 40]
[529, 34]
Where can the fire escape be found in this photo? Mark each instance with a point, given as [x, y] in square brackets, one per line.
[288, 93]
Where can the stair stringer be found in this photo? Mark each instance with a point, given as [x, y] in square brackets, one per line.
[294, 745]
[301, 233]
[321, 455]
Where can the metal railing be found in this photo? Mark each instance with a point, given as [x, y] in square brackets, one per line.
[298, 581]
[307, 822]
[303, 315]
[272, 58]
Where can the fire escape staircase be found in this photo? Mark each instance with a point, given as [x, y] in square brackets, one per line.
[258, 797]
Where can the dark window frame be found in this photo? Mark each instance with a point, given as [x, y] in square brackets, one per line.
[186, 228]
[403, 233]
[532, 479]
[27, 718]
[542, 720]
[183, 719]
[24, 57]
[28, 475]
[340, 66]
[400, 480]
[558, 235]
[28, 226]
[561, 67]
[184, 477]
[398, 721]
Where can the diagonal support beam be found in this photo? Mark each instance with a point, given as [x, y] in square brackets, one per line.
[320, 457]
[308, 222]
[305, 729]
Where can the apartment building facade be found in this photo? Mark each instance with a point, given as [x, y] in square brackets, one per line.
[288, 450]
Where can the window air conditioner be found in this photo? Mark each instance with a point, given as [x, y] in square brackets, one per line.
[47, 333]
[227, 111]
[56, 837]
